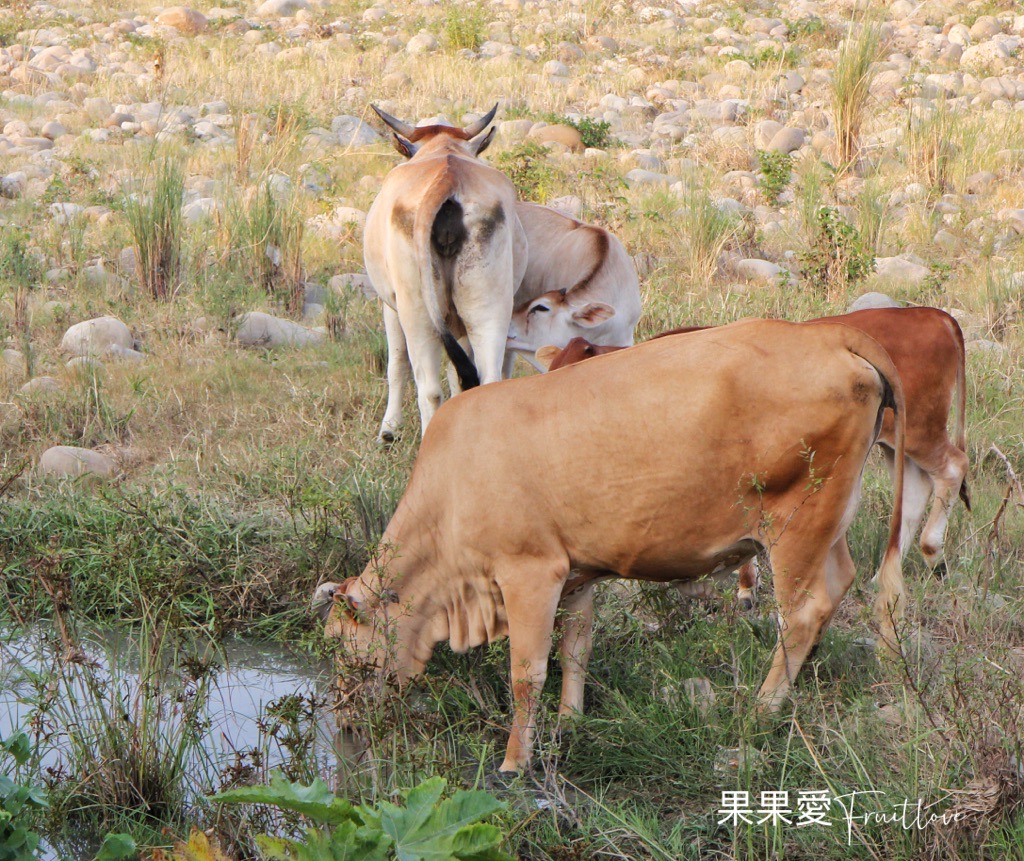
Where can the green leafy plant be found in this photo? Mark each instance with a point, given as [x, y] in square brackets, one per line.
[776, 171]
[595, 133]
[851, 86]
[426, 828]
[527, 165]
[837, 256]
[464, 26]
[19, 804]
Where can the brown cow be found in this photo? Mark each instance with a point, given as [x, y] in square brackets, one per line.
[927, 348]
[528, 491]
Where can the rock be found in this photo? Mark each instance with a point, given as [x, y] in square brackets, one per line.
[125, 353]
[900, 269]
[873, 300]
[352, 131]
[281, 8]
[85, 364]
[980, 182]
[421, 43]
[759, 270]
[698, 692]
[13, 185]
[197, 210]
[765, 131]
[63, 461]
[264, 330]
[793, 82]
[53, 130]
[96, 337]
[184, 20]
[566, 135]
[353, 281]
[985, 28]
[787, 140]
[556, 69]
[40, 385]
[65, 213]
[514, 130]
[14, 360]
[639, 176]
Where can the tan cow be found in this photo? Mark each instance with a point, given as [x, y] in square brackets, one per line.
[444, 249]
[927, 348]
[579, 280]
[651, 464]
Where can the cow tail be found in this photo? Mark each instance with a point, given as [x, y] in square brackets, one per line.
[891, 599]
[960, 419]
[440, 233]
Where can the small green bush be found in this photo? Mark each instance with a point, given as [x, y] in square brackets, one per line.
[527, 165]
[837, 256]
[776, 171]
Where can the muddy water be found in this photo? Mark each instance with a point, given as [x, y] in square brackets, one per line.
[247, 687]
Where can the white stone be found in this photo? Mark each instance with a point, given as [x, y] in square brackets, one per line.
[96, 337]
[873, 300]
[900, 269]
[281, 8]
[421, 43]
[760, 270]
[40, 385]
[63, 461]
[264, 330]
[352, 131]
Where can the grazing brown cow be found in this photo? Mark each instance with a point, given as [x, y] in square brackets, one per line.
[528, 491]
[927, 348]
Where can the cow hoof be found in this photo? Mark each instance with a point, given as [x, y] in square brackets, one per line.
[746, 604]
[502, 781]
[386, 437]
[939, 570]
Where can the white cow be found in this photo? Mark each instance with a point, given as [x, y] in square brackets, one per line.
[579, 282]
[445, 251]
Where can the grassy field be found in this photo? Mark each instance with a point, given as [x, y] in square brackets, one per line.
[246, 477]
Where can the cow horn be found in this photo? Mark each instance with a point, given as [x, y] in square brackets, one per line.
[403, 129]
[474, 129]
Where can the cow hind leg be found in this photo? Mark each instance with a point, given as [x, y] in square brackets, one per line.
[917, 489]
[531, 609]
[575, 646]
[398, 376]
[806, 602]
[746, 595]
[948, 482]
[425, 357]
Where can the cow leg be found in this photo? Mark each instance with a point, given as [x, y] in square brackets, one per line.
[917, 488]
[425, 356]
[575, 646]
[398, 375]
[508, 365]
[805, 604]
[531, 612]
[488, 343]
[749, 578]
[947, 482]
[454, 385]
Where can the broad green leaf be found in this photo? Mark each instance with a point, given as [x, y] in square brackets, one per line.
[278, 848]
[347, 843]
[117, 846]
[17, 746]
[478, 843]
[425, 830]
[315, 801]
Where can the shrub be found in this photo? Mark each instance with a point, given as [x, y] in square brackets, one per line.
[851, 84]
[527, 165]
[776, 170]
[837, 256]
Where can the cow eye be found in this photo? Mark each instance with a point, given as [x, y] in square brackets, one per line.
[539, 308]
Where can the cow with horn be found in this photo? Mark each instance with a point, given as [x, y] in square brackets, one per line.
[445, 251]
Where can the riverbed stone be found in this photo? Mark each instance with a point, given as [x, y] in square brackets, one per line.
[65, 461]
[183, 19]
[873, 300]
[900, 268]
[264, 330]
[96, 337]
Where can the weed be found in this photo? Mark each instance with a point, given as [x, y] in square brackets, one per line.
[776, 171]
[464, 26]
[707, 231]
[851, 84]
[594, 133]
[930, 148]
[837, 256]
[530, 170]
[155, 221]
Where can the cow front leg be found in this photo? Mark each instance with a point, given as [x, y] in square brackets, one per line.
[531, 604]
[398, 375]
[575, 647]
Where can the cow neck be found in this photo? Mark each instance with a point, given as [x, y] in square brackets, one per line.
[438, 602]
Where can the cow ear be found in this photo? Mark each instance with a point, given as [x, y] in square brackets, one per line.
[593, 313]
[484, 142]
[546, 355]
[403, 146]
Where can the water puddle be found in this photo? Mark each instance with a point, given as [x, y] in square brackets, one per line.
[244, 706]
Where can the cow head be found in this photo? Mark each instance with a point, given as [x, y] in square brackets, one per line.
[553, 318]
[409, 140]
[577, 350]
[358, 617]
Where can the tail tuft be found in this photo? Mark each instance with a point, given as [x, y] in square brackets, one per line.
[464, 367]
